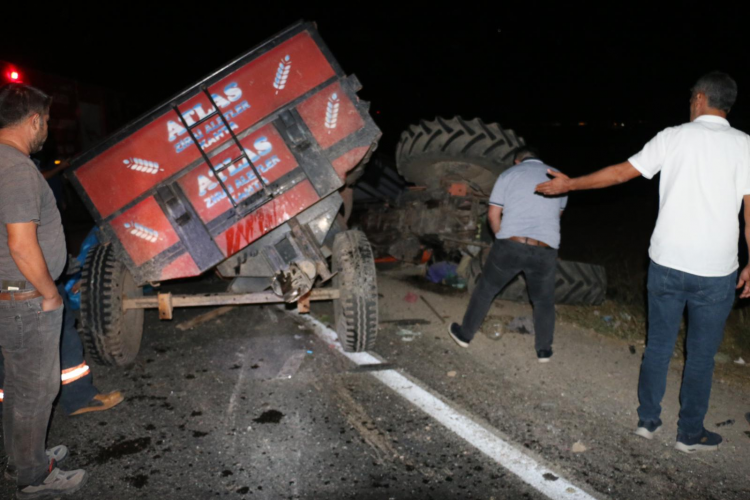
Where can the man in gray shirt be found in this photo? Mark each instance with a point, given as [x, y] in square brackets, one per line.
[32, 257]
[527, 242]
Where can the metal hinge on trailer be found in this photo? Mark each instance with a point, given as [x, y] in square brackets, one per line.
[243, 153]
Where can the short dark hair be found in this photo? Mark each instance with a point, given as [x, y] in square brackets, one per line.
[526, 152]
[719, 88]
[19, 101]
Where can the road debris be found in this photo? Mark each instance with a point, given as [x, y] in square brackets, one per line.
[739, 361]
[452, 373]
[578, 447]
[411, 298]
[407, 335]
[522, 324]
[632, 349]
[725, 423]
[722, 358]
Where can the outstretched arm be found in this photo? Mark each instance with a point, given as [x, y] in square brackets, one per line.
[744, 281]
[610, 176]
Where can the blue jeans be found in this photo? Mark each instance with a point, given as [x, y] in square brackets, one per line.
[709, 301]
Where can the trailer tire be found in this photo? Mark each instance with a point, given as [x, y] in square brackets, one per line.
[112, 336]
[356, 310]
[576, 283]
[454, 148]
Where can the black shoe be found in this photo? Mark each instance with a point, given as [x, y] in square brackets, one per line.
[544, 355]
[705, 441]
[647, 429]
[454, 329]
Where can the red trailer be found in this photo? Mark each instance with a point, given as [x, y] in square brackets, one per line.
[240, 172]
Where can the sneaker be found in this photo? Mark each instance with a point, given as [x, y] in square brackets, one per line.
[454, 329]
[101, 402]
[56, 484]
[647, 429]
[544, 356]
[705, 441]
[56, 455]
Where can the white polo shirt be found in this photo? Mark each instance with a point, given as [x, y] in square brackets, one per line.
[705, 172]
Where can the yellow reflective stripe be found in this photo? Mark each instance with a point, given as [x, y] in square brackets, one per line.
[72, 374]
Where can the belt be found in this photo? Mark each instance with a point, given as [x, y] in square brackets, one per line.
[529, 241]
[31, 294]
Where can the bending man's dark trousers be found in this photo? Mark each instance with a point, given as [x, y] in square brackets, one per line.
[506, 260]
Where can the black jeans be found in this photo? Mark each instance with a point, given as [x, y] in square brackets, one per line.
[508, 258]
[30, 341]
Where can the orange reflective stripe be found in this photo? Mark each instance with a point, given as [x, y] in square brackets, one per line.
[2, 395]
[72, 374]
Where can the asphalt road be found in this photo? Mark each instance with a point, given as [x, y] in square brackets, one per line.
[252, 405]
[256, 404]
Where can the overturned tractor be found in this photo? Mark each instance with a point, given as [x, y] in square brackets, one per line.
[454, 164]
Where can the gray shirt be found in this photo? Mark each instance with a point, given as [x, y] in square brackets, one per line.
[26, 197]
[525, 212]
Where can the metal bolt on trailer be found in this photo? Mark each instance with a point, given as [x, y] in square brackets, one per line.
[241, 173]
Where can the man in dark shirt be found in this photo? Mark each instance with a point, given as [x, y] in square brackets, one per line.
[32, 257]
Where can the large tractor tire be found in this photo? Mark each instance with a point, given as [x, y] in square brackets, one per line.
[356, 310]
[112, 336]
[456, 149]
[576, 283]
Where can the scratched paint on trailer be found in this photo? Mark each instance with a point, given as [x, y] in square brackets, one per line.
[182, 267]
[162, 148]
[268, 152]
[144, 231]
[349, 160]
[266, 218]
[330, 115]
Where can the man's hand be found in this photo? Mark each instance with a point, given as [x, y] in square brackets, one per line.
[560, 184]
[744, 283]
[52, 303]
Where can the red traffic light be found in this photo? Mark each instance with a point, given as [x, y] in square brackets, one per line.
[13, 75]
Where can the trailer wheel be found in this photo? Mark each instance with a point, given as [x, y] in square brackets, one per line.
[576, 283]
[454, 148]
[356, 309]
[112, 336]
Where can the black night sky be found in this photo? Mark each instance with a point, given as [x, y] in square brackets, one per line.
[540, 72]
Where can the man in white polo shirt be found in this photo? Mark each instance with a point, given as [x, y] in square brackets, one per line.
[705, 175]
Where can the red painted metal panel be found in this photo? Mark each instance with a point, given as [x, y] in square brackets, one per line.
[144, 231]
[349, 160]
[182, 267]
[266, 218]
[160, 149]
[330, 115]
[269, 154]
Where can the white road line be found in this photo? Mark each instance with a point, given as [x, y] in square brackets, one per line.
[485, 440]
